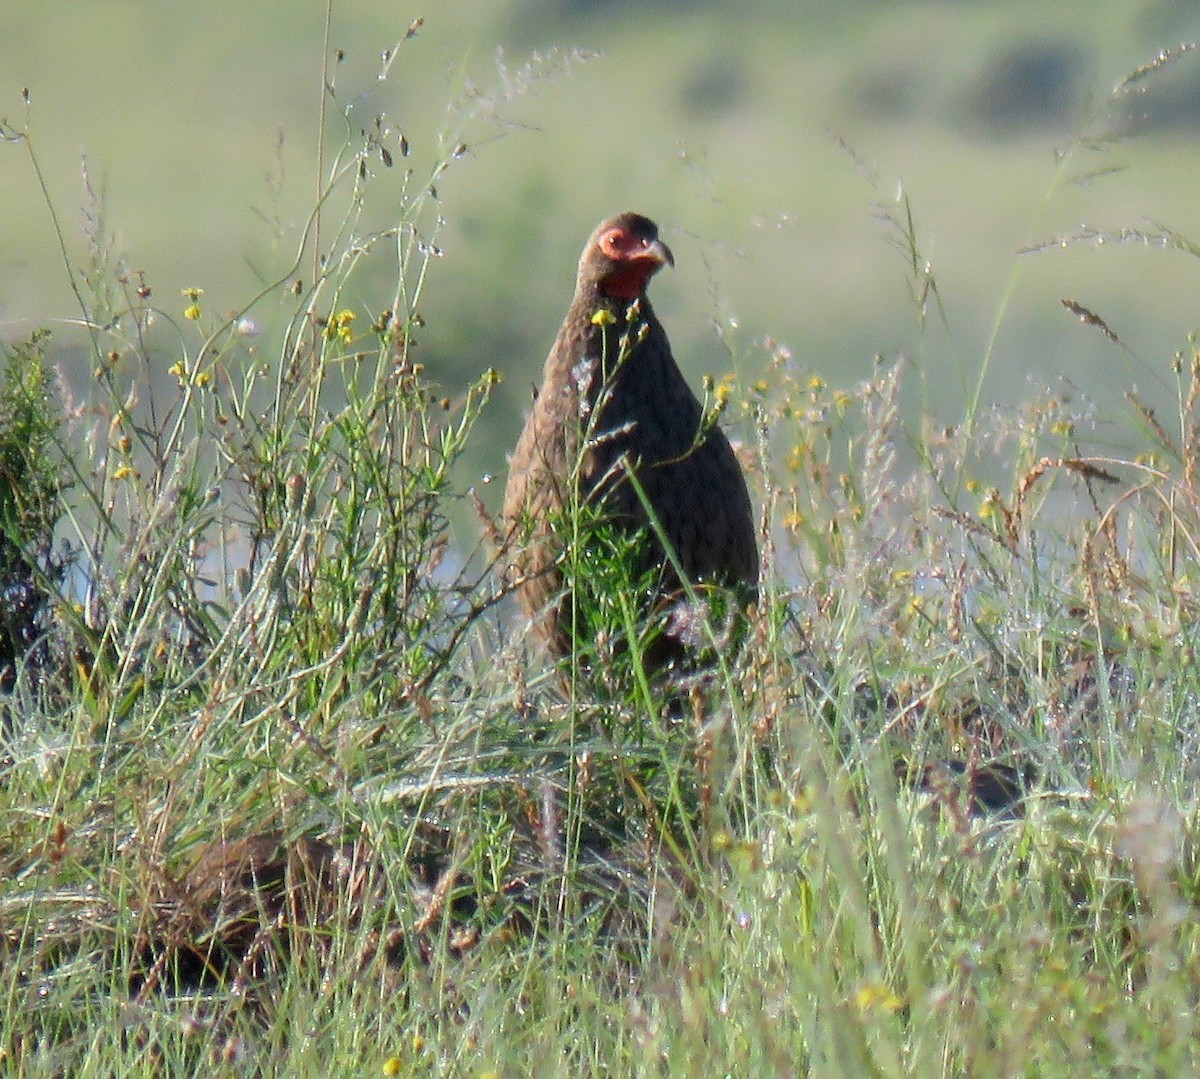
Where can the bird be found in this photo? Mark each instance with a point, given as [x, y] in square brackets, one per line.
[615, 427]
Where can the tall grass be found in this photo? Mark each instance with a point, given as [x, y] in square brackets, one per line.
[284, 792]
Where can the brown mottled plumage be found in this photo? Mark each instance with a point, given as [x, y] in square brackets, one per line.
[613, 399]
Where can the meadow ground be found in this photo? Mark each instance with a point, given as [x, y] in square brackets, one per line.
[284, 792]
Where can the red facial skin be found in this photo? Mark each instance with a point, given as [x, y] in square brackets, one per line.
[637, 259]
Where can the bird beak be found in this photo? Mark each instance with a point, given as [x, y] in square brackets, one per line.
[657, 252]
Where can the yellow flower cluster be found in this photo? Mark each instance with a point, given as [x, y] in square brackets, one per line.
[192, 312]
[877, 997]
[339, 326]
[723, 389]
[203, 379]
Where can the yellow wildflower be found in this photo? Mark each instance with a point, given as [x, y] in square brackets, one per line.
[192, 311]
[339, 326]
[876, 997]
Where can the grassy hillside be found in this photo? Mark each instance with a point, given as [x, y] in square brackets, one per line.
[764, 139]
[283, 788]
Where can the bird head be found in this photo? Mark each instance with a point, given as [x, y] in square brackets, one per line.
[622, 255]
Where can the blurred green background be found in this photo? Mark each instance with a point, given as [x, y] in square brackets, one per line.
[769, 140]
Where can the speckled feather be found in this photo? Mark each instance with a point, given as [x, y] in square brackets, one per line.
[648, 417]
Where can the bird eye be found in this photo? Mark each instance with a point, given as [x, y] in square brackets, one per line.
[622, 244]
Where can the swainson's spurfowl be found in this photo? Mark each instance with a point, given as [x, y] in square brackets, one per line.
[612, 403]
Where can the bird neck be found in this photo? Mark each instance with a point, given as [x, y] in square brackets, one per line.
[598, 306]
[628, 282]
[599, 328]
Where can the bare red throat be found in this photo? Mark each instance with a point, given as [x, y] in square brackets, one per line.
[629, 281]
